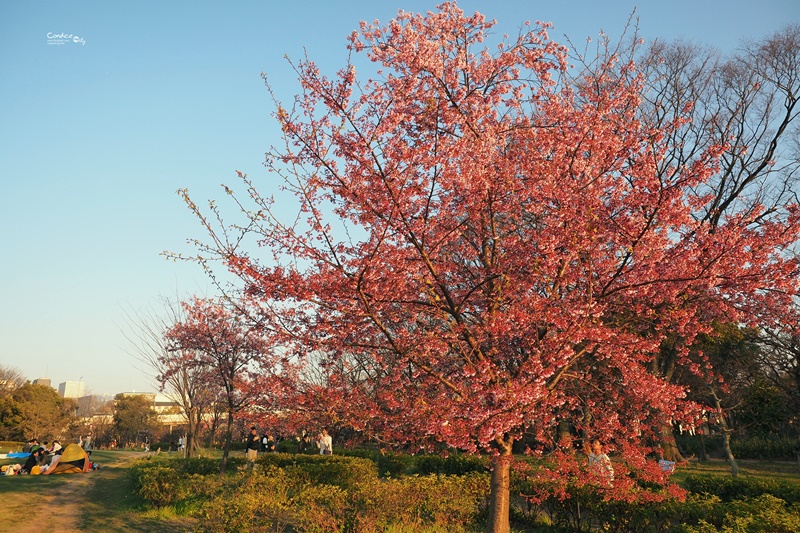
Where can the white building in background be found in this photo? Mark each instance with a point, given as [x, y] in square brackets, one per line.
[71, 389]
[44, 382]
[166, 406]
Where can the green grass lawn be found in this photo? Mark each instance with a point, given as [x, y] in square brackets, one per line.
[105, 504]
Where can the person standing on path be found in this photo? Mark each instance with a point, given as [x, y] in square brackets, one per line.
[253, 443]
[325, 443]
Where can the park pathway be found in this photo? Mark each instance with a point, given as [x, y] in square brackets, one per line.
[61, 511]
[55, 512]
[71, 509]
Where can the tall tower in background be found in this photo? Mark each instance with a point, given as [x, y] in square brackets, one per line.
[71, 389]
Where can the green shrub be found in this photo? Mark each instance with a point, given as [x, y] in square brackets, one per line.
[320, 508]
[161, 484]
[287, 446]
[634, 517]
[250, 502]
[276, 499]
[645, 507]
[336, 470]
[452, 465]
[728, 488]
[390, 464]
[764, 514]
[764, 447]
[699, 508]
[204, 466]
[420, 502]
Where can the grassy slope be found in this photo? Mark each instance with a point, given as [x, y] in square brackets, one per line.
[107, 503]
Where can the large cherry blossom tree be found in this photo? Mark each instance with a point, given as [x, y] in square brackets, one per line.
[488, 244]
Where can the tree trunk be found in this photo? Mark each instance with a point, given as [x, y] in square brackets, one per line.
[726, 435]
[500, 495]
[227, 445]
[703, 453]
[669, 446]
[212, 431]
[726, 445]
[191, 432]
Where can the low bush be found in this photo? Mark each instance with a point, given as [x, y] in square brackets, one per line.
[764, 514]
[250, 502]
[714, 504]
[451, 465]
[161, 484]
[390, 464]
[313, 493]
[765, 448]
[8, 446]
[163, 446]
[417, 502]
[759, 448]
[651, 512]
[203, 466]
[321, 508]
[169, 480]
[287, 446]
[275, 499]
[310, 494]
[336, 470]
[728, 488]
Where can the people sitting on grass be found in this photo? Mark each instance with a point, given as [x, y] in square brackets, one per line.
[36, 459]
[10, 470]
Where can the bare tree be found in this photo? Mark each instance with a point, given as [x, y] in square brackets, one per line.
[746, 104]
[188, 385]
[10, 380]
[780, 361]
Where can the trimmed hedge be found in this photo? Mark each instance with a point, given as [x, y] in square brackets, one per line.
[336, 470]
[392, 464]
[167, 480]
[758, 448]
[764, 514]
[7, 446]
[727, 488]
[452, 465]
[313, 493]
[309, 494]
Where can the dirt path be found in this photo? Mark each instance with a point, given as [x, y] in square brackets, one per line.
[57, 512]
[62, 511]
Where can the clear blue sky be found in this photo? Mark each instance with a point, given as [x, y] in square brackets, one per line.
[97, 135]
